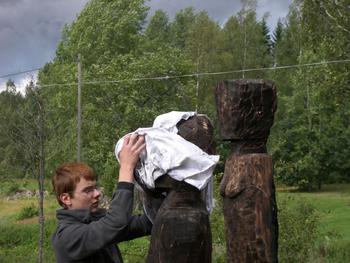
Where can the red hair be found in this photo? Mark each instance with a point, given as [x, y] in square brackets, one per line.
[67, 177]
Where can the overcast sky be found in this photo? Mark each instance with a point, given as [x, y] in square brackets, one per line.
[30, 29]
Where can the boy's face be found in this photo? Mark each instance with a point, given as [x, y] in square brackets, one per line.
[85, 196]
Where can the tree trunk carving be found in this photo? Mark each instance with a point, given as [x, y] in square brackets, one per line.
[246, 111]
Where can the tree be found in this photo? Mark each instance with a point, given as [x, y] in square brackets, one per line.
[266, 40]
[202, 49]
[12, 156]
[102, 30]
[158, 30]
[309, 140]
[247, 41]
[116, 51]
[277, 37]
[10, 86]
[180, 27]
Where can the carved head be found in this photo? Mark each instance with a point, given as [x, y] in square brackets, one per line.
[245, 108]
[199, 131]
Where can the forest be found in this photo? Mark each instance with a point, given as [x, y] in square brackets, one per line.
[135, 66]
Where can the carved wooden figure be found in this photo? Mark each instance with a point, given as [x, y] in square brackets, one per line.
[181, 230]
[246, 110]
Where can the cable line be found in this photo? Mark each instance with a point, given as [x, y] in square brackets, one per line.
[19, 73]
[199, 74]
[219, 73]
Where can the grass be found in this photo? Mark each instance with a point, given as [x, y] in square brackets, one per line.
[333, 206]
[18, 238]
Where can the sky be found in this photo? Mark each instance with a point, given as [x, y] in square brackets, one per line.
[30, 29]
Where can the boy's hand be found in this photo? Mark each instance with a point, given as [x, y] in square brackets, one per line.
[129, 155]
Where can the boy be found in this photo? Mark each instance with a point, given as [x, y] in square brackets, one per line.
[86, 233]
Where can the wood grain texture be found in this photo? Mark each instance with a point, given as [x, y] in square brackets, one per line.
[181, 231]
[250, 208]
[245, 109]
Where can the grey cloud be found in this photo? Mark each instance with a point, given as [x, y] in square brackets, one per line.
[30, 31]
[5, 3]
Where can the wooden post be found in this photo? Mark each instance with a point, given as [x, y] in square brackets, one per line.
[79, 111]
[41, 180]
[246, 110]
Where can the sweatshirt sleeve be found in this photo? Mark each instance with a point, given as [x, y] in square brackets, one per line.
[138, 226]
[80, 240]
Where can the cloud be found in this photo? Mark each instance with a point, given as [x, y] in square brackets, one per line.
[10, 3]
[30, 31]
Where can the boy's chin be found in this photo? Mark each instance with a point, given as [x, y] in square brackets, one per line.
[94, 208]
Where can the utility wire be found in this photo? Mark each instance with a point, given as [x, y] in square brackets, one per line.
[210, 73]
[199, 74]
[19, 73]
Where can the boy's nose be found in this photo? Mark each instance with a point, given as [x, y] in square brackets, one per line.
[97, 193]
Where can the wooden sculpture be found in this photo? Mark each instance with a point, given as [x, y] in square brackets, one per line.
[181, 230]
[246, 110]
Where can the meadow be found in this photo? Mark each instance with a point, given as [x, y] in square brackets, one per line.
[313, 227]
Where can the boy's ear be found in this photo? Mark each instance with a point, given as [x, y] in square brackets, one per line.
[66, 200]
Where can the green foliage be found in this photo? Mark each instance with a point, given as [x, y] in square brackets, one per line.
[28, 212]
[135, 251]
[113, 47]
[122, 57]
[330, 208]
[298, 222]
[18, 243]
[157, 33]
[308, 140]
[217, 224]
[180, 27]
[12, 156]
[332, 251]
[8, 187]
[103, 30]
[109, 177]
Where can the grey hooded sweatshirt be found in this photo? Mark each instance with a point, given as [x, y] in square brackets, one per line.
[85, 237]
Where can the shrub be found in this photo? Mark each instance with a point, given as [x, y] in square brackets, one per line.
[19, 243]
[28, 212]
[337, 252]
[9, 187]
[217, 224]
[298, 221]
[332, 248]
[108, 179]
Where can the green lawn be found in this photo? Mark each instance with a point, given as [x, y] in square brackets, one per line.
[18, 238]
[333, 207]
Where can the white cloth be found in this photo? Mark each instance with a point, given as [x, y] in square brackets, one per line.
[169, 120]
[169, 153]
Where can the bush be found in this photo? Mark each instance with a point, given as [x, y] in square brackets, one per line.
[298, 221]
[28, 212]
[337, 252]
[19, 243]
[108, 179]
[9, 187]
[217, 224]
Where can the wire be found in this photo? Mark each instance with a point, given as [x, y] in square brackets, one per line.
[216, 73]
[19, 73]
[199, 74]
